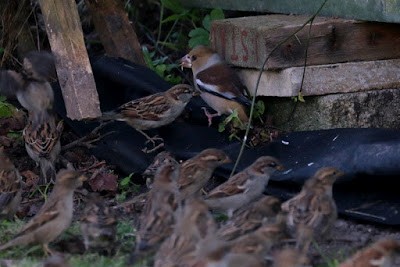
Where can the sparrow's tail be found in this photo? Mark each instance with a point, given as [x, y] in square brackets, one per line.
[48, 171]
[17, 241]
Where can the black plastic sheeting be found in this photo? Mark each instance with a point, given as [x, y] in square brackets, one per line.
[370, 157]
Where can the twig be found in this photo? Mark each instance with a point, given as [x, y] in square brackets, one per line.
[258, 83]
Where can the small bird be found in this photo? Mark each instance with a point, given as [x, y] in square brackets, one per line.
[98, 225]
[10, 187]
[31, 86]
[194, 224]
[220, 86]
[382, 253]
[39, 66]
[153, 111]
[160, 159]
[290, 257]
[158, 218]
[56, 260]
[250, 217]
[42, 144]
[313, 211]
[261, 240]
[55, 215]
[195, 172]
[244, 187]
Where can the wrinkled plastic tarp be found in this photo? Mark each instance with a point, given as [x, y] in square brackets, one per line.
[370, 157]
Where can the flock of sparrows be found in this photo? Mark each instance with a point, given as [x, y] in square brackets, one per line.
[176, 226]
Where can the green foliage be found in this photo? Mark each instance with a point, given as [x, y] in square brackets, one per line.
[259, 110]
[201, 35]
[126, 187]
[161, 66]
[6, 109]
[299, 98]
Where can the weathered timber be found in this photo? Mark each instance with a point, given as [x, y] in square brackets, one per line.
[72, 63]
[247, 41]
[369, 10]
[115, 30]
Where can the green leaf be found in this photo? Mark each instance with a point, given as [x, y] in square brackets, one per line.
[199, 40]
[125, 181]
[221, 126]
[217, 13]
[174, 17]
[207, 22]
[198, 32]
[300, 97]
[160, 69]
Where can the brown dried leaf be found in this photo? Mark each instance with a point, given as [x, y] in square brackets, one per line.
[104, 181]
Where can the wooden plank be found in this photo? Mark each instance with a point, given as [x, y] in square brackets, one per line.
[247, 41]
[115, 30]
[72, 63]
[370, 10]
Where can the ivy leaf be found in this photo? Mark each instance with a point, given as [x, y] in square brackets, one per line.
[217, 13]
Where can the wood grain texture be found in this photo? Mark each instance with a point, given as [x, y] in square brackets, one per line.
[72, 63]
[115, 30]
[247, 41]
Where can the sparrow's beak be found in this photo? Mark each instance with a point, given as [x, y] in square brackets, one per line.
[82, 178]
[186, 62]
[227, 160]
[280, 168]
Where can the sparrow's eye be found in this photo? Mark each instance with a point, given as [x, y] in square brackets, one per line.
[194, 58]
[272, 164]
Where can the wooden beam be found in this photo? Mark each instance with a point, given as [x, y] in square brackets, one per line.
[72, 63]
[370, 10]
[246, 41]
[115, 30]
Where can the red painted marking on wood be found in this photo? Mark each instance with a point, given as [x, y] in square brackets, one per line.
[243, 36]
[234, 55]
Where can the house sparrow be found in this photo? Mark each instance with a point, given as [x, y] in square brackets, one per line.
[244, 187]
[32, 87]
[10, 187]
[39, 66]
[196, 171]
[153, 111]
[379, 254]
[194, 223]
[56, 260]
[158, 218]
[159, 159]
[98, 225]
[219, 84]
[261, 240]
[289, 257]
[43, 144]
[250, 217]
[313, 211]
[55, 215]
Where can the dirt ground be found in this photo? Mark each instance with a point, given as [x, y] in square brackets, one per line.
[346, 237]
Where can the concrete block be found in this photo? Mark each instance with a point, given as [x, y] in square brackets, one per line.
[372, 109]
[325, 79]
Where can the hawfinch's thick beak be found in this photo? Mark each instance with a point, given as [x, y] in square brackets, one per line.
[186, 62]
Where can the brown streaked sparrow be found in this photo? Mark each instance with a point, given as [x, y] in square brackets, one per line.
[382, 253]
[39, 66]
[153, 111]
[220, 86]
[10, 187]
[194, 223]
[98, 225]
[250, 217]
[55, 215]
[290, 257]
[261, 240]
[196, 171]
[312, 212]
[159, 159]
[43, 144]
[244, 187]
[158, 218]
